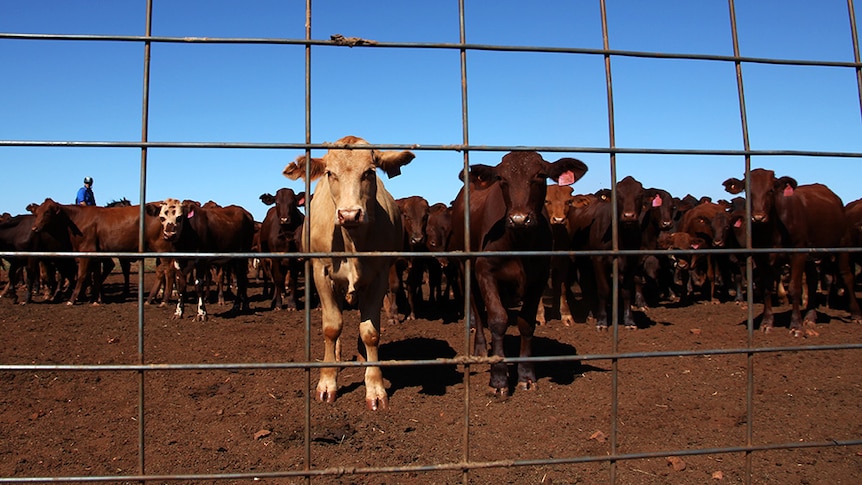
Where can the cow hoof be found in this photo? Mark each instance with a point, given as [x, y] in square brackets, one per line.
[631, 326]
[498, 392]
[527, 386]
[567, 320]
[766, 329]
[855, 319]
[324, 396]
[602, 328]
[374, 404]
[796, 332]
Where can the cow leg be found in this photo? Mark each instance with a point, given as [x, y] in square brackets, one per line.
[797, 269]
[240, 302]
[369, 334]
[498, 322]
[83, 275]
[158, 283]
[845, 269]
[201, 270]
[627, 286]
[293, 269]
[526, 328]
[126, 266]
[603, 292]
[183, 272]
[277, 270]
[766, 270]
[332, 321]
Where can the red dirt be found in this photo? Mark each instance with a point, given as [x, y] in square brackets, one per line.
[204, 421]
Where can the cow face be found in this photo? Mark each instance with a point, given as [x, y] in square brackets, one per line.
[764, 190]
[439, 227]
[172, 216]
[351, 176]
[46, 214]
[630, 200]
[558, 201]
[523, 181]
[659, 204]
[414, 219]
[286, 203]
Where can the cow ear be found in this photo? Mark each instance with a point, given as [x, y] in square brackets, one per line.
[734, 185]
[296, 169]
[267, 198]
[787, 185]
[153, 209]
[483, 175]
[603, 194]
[300, 199]
[567, 171]
[31, 207]
[392, 161]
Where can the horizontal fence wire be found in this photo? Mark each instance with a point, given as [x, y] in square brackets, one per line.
[463, 362]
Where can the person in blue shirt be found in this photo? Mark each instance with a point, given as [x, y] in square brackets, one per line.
[85, 194]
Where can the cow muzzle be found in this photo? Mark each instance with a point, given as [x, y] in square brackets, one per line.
[521, 220]
[349, 217]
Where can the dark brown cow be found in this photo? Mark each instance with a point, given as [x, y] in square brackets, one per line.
[16, 235]
[91, 229]
[351, 211]
[787, 215]
[506, 205]
[438, 234]
[188, 226]
[705, 221]
[280, 233]
[414, 219]
[853, 210]
[594, 232]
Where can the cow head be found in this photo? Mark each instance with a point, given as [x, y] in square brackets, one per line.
[764, 190]
[558, 201]
[351, 175]
[630, 200]
[172, 215]
[286, 204]
[414, 219]
[523, 181]
[659, 205]
[439, 227]
[46, 213]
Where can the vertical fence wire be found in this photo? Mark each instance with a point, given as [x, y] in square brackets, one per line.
[466, 464]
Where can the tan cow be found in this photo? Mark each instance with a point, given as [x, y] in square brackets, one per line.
[352, 212]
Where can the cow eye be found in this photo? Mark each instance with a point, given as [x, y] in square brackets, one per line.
[369, 174]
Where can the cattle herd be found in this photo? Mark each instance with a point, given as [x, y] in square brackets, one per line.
[511, 208]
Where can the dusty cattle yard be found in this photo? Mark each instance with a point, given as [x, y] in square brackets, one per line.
[72, 423]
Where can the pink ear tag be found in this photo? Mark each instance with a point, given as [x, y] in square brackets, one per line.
[191, 214]
[695, 246]
[738, 223]
[656, 202]
[566, 178]
[788, 190]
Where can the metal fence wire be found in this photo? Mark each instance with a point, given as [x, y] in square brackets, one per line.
[466, 465]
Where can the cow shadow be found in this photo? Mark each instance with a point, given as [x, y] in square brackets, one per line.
[432, 379]
[562, 372]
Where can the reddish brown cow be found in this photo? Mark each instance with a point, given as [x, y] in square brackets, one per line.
[506, 203]
[16, 235]
[414, 219]
[280, 233]
[853, 210]
[558, 202]
[189, 227]
[352, 212]
[91, 229]
[787, 215]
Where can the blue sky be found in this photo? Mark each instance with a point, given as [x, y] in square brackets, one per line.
[92, 91]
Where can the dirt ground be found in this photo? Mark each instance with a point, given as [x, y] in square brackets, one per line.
[252, 421]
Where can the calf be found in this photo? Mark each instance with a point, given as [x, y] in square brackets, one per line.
[787, 215]
[414, 219]
[280, 233]
[352, 212]
[438, 236]
[506, 203]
